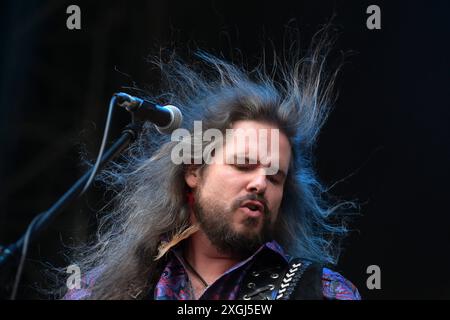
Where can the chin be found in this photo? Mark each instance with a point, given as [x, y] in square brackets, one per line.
[250, 231]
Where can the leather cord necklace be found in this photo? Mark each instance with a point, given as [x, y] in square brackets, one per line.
[205, 284]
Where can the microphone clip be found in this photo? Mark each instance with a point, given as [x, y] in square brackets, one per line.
[128, 102]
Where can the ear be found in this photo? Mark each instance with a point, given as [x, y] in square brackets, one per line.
[192, 176]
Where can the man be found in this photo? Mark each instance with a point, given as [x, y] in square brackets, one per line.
[246, 219]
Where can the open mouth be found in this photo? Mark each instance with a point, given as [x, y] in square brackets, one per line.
[253, 207]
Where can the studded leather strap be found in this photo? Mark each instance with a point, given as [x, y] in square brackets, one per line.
[291, 279]
[261, 283]
[268, 279]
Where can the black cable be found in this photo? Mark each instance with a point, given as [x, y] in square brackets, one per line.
[112, 103]
[86, 186]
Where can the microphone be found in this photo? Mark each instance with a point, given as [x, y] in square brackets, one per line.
[166, 118]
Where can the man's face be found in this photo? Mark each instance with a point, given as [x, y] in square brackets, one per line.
[236, 201]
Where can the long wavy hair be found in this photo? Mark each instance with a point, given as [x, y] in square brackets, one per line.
[150, 191]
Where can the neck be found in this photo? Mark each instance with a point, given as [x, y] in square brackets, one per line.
[204, 257]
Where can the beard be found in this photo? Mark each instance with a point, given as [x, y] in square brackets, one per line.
[216, 222]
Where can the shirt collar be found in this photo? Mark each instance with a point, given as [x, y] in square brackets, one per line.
[273, 246]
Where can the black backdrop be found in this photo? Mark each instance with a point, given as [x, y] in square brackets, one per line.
[388, 133]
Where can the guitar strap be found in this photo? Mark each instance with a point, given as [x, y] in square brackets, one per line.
[299, 280]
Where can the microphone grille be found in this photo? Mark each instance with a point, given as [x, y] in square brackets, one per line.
[175, 123]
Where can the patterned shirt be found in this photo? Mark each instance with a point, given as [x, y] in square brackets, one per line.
[174, 282]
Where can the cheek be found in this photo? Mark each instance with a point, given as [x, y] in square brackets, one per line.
[221, 187]
[228, 183]
[276, 200]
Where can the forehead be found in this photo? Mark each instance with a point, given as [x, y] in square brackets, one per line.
[251, 138]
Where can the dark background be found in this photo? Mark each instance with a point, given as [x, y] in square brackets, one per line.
[388, 133]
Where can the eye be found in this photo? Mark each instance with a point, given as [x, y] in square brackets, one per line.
[245, 167]
[274, 179]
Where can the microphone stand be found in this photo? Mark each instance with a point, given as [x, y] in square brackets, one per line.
[9, 255]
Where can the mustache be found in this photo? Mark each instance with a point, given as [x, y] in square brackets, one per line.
[255, 197]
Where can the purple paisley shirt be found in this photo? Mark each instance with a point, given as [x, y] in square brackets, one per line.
[174, 282]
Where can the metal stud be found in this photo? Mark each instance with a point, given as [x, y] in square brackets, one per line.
[274, 275]
[251, 285]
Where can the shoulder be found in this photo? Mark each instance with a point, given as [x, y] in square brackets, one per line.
[84, 289]
[336, 287]
[77, 294]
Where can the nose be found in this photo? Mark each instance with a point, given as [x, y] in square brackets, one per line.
[258, 183]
